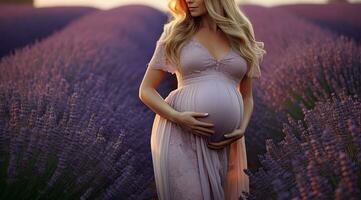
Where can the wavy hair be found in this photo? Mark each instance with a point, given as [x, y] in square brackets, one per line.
[228, 17]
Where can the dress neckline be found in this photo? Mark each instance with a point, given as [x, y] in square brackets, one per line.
[224, 56]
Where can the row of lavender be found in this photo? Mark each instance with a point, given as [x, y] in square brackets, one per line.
[279, 39]
[319, 157]
[21, 25]
[341, 18]
[71, 123]
[308, 112]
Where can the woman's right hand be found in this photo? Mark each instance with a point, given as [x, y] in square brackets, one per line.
[189, 122]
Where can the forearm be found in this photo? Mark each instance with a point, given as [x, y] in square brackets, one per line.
[247, 112]
[156, 103]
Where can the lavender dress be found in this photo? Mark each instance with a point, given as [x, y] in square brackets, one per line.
[184, 167]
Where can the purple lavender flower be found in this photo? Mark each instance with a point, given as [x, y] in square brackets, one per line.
[68, 121]
[321, 159]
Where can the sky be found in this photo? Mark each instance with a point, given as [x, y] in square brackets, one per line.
[160, 4]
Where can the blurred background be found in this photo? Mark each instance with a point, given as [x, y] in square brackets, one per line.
[72, 125]
[162, 4]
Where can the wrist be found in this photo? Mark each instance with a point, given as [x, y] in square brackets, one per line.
[174, 116]
[242, 128]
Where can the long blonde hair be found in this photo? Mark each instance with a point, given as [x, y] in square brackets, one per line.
[228, 17]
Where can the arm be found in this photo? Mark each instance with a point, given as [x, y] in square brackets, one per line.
[245, 88]
[149, 95]
[156, 67]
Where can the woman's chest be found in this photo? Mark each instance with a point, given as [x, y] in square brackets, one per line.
[194, 58]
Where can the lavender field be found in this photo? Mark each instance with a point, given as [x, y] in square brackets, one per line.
[21, 25]
[73, 127]
[341, 18]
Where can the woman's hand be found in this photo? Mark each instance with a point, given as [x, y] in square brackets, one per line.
[189, 122]
[231, 137]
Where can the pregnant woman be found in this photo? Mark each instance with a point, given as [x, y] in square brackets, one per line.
[197, 140]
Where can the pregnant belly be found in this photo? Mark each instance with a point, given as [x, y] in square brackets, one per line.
[221, 101]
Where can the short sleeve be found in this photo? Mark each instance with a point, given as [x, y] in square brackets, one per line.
[255, 72]
[159, 60]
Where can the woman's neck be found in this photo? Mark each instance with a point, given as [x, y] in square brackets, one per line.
[208, 23]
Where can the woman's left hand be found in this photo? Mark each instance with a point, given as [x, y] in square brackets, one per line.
[231, 137]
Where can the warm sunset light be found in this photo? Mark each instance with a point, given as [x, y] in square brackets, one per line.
[161, 4]
[79, 118]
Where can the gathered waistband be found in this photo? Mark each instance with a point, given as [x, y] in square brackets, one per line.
[206, 77]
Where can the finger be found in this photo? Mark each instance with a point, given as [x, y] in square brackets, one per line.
[207, 130]
[199, 114]
[220, 143]
[200, 133]
[223, 142]
[233, 135]
[205, 124]
[214, 147]
[228, 135]
[203, 134]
